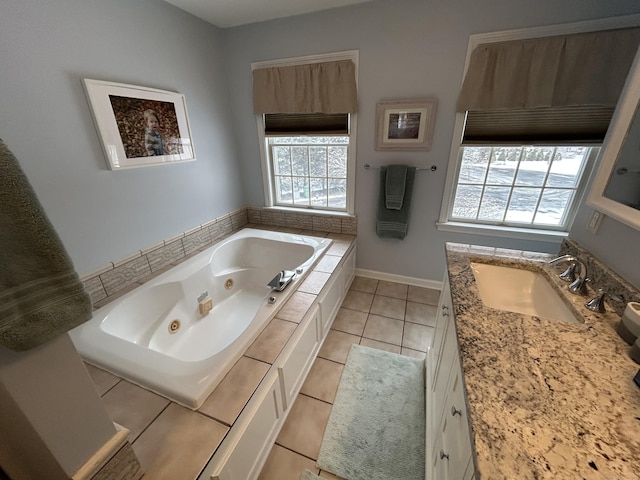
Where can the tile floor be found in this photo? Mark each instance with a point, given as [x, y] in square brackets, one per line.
[379, 314]
[390, 316]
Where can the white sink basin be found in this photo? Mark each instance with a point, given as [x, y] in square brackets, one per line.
[520, 291]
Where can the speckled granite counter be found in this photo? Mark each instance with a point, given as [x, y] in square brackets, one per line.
[547, 399]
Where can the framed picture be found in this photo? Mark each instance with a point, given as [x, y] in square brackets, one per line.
[140, 126]
[405, 124]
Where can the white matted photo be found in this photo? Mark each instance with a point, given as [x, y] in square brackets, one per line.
[405, 124]
[140, 126]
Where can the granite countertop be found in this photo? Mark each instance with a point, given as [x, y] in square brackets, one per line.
[547, 399]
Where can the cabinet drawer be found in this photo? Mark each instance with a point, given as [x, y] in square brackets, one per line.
[295, 363]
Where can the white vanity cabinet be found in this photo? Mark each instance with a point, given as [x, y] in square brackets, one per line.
[449, 452]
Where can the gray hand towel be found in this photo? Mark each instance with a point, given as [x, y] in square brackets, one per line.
[394, 223]
[41, 296]
[394, 186]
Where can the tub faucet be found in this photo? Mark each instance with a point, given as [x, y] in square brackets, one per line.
[281, 280]
[578, 285]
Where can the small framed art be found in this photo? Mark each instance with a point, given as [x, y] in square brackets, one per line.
[405, 124]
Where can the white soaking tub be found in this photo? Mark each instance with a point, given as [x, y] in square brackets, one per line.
[155, 335]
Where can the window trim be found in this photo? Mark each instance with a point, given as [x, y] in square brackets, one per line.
[267, 175]
[453, 167]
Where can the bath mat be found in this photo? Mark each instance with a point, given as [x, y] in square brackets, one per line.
[307, 475]
[376, 430]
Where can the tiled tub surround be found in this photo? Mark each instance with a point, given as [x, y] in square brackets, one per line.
[547, 399]
[160, 446]
[120, 276]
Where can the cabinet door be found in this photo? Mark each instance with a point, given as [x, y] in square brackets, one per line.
[296, 361]
[458, 437]
[330, 300]
[442, 321]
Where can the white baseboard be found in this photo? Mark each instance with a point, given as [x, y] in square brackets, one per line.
[391, 277]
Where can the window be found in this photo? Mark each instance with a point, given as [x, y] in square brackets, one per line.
[309, 171]
[308, 158]
[519, 186]
[532, 116]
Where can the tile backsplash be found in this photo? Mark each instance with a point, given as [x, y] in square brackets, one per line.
[121, 276]
[602, 276]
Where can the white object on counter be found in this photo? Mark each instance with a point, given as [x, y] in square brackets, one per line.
[631, 318]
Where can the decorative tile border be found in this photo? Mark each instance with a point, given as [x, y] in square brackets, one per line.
[602, 276]
[118, 276]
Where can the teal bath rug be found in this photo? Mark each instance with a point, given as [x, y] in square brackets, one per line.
[376, 430]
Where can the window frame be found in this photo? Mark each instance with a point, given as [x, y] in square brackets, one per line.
[267, 170]
[455, 153]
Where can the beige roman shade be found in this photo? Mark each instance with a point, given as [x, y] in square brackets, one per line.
[580, 69]
[553, 90]
[328, 87]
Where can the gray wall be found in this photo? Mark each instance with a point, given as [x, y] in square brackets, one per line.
[46, 48]
[408, 48]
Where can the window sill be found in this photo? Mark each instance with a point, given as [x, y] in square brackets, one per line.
[506, 232]
[332, 213]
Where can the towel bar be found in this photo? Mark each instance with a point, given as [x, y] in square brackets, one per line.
[433, 168]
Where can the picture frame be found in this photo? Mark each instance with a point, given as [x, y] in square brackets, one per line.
[140, 126]
[405, 124]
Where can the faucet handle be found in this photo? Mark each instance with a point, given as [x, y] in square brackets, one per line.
[596, 304]
[569, 275]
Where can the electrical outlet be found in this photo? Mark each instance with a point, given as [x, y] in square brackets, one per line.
[594, 223]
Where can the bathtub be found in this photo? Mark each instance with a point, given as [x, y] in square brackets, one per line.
[155, 335]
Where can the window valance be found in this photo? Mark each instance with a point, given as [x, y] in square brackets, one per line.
[328, 87]
[559, 71]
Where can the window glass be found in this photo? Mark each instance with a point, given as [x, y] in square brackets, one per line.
[522, 186]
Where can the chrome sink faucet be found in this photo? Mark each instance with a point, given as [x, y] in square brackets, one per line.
[578, 285]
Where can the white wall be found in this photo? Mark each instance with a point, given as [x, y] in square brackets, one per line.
[408, 49]
[46, 48]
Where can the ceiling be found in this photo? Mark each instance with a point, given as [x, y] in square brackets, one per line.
[231, 13]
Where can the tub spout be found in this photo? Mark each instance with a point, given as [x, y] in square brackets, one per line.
[281, 280]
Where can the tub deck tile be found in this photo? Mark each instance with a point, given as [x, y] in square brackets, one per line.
[232, 394]
[271, 341]
[296, 307]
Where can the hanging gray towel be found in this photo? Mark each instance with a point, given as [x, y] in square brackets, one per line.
[41, 296]
[394, 186]
[394, 223]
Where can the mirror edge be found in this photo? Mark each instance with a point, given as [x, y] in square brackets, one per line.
[614, 139]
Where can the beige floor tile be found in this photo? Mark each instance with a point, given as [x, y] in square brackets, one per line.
[283, 464]
[388, 307]
[392, 289]
[296, 307]
[383, 329]
[387, 347]
[271, 341]
[178, 444]
[421, 313]
[429, 296]
[364, 284]
[232, 394]
[133, 407]
[417, 337]
[337, 345]
[323, 380]
[413, 353]
[103, 380]
[350, 321]
[303, 429]
[314, 282]
[360, 301]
